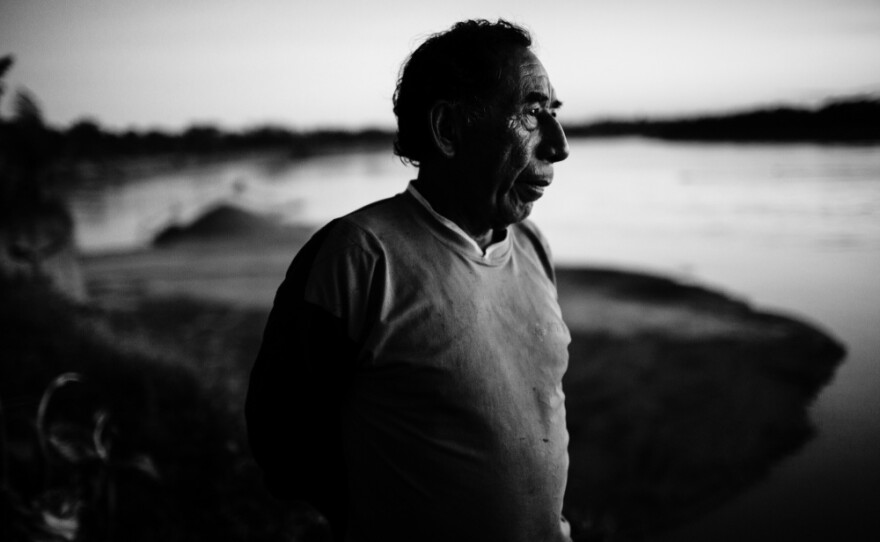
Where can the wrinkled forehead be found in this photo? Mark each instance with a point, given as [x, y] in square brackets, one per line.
[533, 76]
[526, 76]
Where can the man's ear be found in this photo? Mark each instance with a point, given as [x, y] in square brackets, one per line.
[444, 128]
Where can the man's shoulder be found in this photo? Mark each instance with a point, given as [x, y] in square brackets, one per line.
[365, 229]
[377, 218]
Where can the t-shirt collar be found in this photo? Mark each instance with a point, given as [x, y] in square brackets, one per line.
[490, 250]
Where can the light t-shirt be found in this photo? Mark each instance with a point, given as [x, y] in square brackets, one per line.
[453, 422]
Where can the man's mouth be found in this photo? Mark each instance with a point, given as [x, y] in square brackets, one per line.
[530, 190]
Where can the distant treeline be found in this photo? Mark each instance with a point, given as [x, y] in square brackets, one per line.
[851, 120]
[86, 140]
[855, 120]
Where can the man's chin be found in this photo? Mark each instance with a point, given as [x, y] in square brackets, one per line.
[517, 213]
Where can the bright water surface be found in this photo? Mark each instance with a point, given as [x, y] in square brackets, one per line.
[794, 228]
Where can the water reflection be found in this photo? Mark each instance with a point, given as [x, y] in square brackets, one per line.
[676, 414]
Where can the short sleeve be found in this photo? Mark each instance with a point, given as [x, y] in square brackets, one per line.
[346, 279]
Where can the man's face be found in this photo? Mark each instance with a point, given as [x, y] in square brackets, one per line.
[508, 158]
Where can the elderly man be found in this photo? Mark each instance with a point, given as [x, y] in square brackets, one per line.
[409, 381]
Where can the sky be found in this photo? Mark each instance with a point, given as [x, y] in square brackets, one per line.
[333, 63]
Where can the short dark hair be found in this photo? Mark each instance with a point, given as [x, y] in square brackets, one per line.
[464, 65]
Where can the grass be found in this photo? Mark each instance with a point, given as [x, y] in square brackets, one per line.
[166, 384]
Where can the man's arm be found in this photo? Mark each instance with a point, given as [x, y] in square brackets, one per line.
[297, 391]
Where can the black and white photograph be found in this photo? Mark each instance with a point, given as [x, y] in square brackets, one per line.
[410, 271]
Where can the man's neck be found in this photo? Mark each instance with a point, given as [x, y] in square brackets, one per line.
[447, 205]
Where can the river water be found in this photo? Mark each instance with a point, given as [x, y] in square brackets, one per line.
[792, 228]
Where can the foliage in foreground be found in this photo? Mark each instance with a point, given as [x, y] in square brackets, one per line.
[128, 426]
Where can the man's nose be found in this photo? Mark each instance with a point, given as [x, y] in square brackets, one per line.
[554, 145]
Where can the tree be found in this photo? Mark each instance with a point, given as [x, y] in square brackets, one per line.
[27, 111]
[5, 64]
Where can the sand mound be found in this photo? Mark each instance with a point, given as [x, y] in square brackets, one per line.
[224, 222]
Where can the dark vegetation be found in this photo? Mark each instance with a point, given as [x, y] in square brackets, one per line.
[851, 120]
[86, 139]
[34, 222]
[24, 152]
[127, 424]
